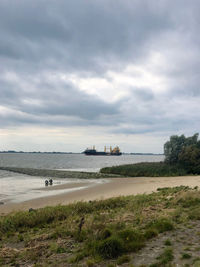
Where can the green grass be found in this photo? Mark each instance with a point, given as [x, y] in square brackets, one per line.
[123, 259]
[149, 169]
[167, 242]
[166, 257]
[186, 256]
[112, 229]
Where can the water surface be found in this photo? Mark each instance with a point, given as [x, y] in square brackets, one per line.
[16, 187]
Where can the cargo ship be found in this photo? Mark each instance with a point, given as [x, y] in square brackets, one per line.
[112, 152]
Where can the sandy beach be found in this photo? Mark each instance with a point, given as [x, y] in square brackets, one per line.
[112, 188]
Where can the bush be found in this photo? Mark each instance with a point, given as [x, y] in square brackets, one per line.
[150, 233]
[161, 225]
[109, 248]
[186, 256]
[132, 240]
[123, 259]
[106, 233]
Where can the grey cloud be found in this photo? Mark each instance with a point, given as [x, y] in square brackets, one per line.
[53, 104]
[91, 38]
[80, 34]
[143, 94]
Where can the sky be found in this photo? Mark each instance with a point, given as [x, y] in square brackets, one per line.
[79, 73]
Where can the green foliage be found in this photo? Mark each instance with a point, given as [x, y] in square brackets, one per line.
[132, 240]
[90, 263]
[186, 256]
[42, 217]
[173, 148]
[148, 169]
[161, 225]
[166, 257]
[184, 151]
[109, 248]
[113, 228]
[194, 213]
[78, 257]
[105, 234]
[182, 157]
[150, 233]
[122, 259]
[190, 158]
[32, 219]
[55, 248]
[168, 242]
[192, 199]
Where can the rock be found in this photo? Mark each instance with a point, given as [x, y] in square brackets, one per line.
[1, 203]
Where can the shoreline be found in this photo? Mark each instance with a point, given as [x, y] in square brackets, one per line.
[113, 187]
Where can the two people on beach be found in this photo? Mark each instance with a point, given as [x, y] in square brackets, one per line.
[50, 182]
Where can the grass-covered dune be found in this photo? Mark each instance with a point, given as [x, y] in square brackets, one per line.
[149, 169]
[56, 173]
[159, 229]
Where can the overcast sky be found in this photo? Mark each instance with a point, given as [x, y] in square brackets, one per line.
[78, 73]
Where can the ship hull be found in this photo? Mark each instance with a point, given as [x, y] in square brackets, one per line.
[94, 152]
[101, 154]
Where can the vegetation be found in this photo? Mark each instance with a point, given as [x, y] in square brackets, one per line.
[182, 157]
[174, 147]
[56, 173]
[151, 169]
[113, 231]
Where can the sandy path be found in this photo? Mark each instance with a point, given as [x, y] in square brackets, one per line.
[114, 187]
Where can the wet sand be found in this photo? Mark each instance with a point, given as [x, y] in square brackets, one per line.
[112, 188]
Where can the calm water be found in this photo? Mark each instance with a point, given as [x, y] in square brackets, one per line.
[70, 161]
[18, 187]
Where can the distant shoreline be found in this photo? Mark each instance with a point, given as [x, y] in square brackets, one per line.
[74, 153]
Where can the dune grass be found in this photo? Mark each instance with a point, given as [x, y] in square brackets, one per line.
[95, 233]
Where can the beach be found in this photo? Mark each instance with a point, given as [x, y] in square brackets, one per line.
[111, 187]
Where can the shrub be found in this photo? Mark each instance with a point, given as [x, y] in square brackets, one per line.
[162, 225]
[109, 248]
[132, 240]
[105, 234]
[186, 256]
[150, 233]
[123, 259]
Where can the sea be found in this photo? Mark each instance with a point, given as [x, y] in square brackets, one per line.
[17, 188]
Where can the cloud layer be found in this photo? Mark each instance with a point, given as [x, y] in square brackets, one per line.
[122, 68]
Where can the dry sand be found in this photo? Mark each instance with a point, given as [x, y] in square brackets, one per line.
[114, 187]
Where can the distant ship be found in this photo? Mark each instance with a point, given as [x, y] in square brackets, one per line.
[93, 152]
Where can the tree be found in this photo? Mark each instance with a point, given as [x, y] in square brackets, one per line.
[174, 147]
[190, 158]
